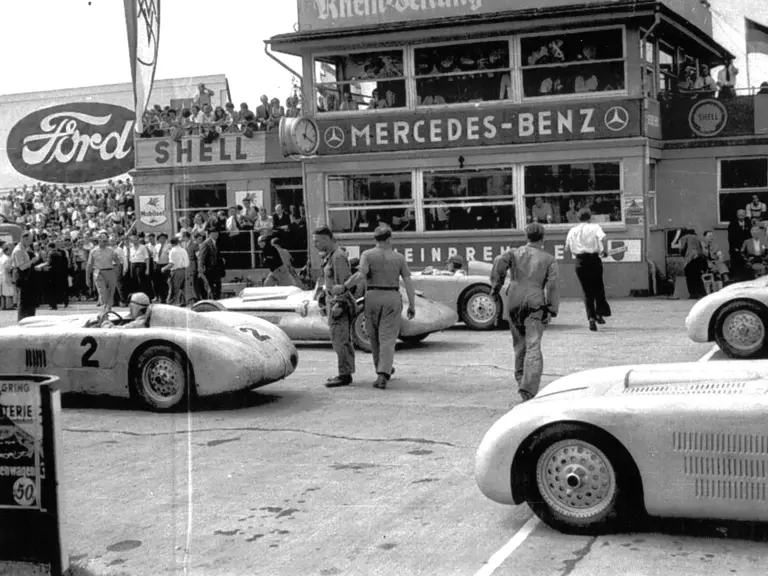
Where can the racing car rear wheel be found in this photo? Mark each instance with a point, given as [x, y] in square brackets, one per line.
[582, 480]
[360, 335]
[479, 309]
[208, 306]
[740, 330]
[161, 378]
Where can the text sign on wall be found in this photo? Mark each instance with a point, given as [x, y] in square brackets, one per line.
[436, 253]
[169, 153]
[489, 126]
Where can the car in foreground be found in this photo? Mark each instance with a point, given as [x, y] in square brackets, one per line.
[467, 290]
[598, 450]
[298, 314]
[181, 355]
[735, 317]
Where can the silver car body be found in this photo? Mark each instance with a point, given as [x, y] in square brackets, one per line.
[700, 322]
[696, 432]
[227, 351]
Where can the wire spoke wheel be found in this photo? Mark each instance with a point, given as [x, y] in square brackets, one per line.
[744, 330]
[163, 379]
[481, 308]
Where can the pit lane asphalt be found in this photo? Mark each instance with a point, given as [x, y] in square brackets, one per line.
[300, 480]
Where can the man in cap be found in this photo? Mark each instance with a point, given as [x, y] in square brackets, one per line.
[533, 299]
[103, 267]
[339, 303]
[210, 269]
[382, 268]
[138, 306]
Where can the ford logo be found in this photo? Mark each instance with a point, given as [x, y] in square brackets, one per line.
[73, 143]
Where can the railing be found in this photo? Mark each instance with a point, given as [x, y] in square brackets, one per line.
[241, 251]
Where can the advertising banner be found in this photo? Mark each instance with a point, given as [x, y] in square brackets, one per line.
[193, 151]
[693, 118]
[489, 126]
[435, 253]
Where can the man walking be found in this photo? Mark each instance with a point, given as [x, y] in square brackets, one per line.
[178, 261]
[339, 303]
[586, 242]
[382, 268]
[210, 269]
[533, 299]
[102, 269]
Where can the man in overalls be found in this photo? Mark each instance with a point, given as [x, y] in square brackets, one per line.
[339, 303]
[382, 268]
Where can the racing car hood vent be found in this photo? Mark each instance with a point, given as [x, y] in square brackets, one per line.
[35, 358]
[693, 383]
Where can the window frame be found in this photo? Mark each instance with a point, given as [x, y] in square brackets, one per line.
[651, 193]
[721, 191]
[578, 95]
[413, 77]
[568, 225]
[177, 213]
[407, 78]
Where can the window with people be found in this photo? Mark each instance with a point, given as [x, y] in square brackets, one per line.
[460, 73]
[359, 203]
[360, 81]
[743, 186]
[469, 200]
[573, 63]
[554, 193]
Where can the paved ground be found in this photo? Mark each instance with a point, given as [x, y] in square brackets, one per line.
[301, 480]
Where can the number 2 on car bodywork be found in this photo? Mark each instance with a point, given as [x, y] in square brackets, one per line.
[91, 346]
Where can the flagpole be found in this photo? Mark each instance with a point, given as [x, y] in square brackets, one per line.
[746, 47]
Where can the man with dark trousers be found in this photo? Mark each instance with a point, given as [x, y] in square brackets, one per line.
[533, 299]
[193, 286]
[739, 231]
[339, 303]
[586, 242]
[210, 267]
[25, 264]
[381, 267]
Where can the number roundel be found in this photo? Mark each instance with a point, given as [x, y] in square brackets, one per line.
[25, 492]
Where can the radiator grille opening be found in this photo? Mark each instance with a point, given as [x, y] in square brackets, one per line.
[731, 490]
[718, 443]
[35, 358]
[702, 388]
[725, 467]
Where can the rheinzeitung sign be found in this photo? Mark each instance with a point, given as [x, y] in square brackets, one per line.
[487, 126]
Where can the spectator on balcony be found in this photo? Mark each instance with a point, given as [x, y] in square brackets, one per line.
[203, 96]
[291, 107]
[233, 117]
[263, 111]
[199, 224]
[234, 221]
[281, 222]
[726, 80]
[705, 82]
[275, 113]
[349, 102]
[264, 223]
[220, 121]
[250, 212]
[763, 88]
[541, 211]
[756, 210]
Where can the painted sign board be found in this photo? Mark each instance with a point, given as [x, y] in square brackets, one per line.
[488, 126]
[193, 151]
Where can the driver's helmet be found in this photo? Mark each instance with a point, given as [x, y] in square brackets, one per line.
[140, 299]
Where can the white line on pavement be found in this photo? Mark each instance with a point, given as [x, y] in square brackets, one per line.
[506, 551]
[708, 356]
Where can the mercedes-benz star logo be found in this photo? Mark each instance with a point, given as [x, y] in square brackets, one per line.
[334, 137]
[616, 119]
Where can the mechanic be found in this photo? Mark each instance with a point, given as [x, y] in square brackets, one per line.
[586, 241]
[382, 267]
[339, 303]
[103, 267]
[533, 299]
[139, 308]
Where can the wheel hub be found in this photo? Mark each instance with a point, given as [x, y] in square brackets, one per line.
[744, 330]
[482, 308]
[163, 377]
[576, 479]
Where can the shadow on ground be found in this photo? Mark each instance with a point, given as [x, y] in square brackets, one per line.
[224, 402]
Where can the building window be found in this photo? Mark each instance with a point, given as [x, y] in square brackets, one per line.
[359, 203]
[648, 55]
[288, 192]
[554, 193]
[573, 63]
[667, 70]
[461, 73]
[652, 215]
[741, 182]
[360, 81]
[193, 199]
[469, 200]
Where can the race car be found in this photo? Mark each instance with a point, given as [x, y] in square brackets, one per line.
[180, 355]
[466, 290]
[736, 318]
[299, 315]
[598, 450]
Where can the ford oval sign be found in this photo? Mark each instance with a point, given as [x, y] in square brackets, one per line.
[73, 143]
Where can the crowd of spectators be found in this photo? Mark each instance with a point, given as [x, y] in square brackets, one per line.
[204, 120]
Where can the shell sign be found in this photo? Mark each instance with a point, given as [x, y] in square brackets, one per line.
[73, 143]
[708, 118]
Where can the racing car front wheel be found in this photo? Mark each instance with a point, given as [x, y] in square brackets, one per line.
[479, 309]
[161, 378]
[582, 481]
[740, 330]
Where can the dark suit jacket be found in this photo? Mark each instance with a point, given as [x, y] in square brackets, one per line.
[534, 278]
[192, 249]
[737, 234]
[210, 262]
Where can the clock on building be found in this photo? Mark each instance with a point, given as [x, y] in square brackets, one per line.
[299, 136]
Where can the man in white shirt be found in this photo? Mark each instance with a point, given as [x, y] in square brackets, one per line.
[586, 242]
[756, 210]
[178, 261]
[726, 80]
[160, 279]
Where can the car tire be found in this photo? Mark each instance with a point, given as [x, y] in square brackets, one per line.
[414, 339]
[478, 309]
[161, 378]
[741, 329]
[207, 306]
[360, 337]
[564, 457]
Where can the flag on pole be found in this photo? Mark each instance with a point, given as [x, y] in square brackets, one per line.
[142, 18]
[757, 37]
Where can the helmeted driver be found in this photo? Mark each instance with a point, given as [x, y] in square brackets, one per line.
[138, 306]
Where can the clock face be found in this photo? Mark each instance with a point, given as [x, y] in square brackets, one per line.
[305, 136]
